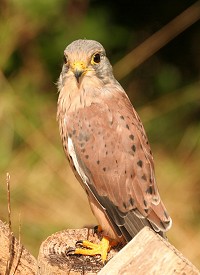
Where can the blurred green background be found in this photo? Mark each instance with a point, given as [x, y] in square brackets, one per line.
[165, 91]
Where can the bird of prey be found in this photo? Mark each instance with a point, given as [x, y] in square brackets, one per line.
[107, 147]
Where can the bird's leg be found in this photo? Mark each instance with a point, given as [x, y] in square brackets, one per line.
[97, 229]
[91, 249]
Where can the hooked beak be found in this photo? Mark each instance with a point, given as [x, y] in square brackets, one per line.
[78, 68]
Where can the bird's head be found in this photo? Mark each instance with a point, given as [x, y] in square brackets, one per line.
[86, 58]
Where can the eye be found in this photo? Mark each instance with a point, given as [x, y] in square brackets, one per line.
[96, 58]
[65, 59]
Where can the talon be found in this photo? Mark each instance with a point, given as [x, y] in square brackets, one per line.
[92, 249]
[70, 251]
[78, 243]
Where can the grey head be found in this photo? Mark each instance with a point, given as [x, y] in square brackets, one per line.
[86, 57]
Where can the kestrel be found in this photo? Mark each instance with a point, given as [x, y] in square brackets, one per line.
[107, 147]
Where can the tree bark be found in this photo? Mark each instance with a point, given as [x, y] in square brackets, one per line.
[13, 256]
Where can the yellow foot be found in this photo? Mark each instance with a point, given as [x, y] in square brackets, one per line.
[92, 249]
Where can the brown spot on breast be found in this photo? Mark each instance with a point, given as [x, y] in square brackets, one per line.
[144, 177]
[140, 163]
[133, 148]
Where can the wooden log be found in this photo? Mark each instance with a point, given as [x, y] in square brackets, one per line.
[13, 256]
[53, 258]
[149, 253]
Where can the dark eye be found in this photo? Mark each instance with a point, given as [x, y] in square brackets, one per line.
[65, 59]
[96, 58]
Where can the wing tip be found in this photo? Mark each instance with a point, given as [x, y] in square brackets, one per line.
[160, 225]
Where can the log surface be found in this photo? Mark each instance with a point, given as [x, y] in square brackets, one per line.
[53, 257]
[148, 253]
[14, 255]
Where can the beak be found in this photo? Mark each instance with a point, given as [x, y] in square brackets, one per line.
[78, 68]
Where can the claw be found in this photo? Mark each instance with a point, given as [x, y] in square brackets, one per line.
[79, 243]
[92, 249]
[70, 251]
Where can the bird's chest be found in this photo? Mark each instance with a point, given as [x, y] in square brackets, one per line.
[85, 126]
[87, 136]
[77, 128]
[84, 135]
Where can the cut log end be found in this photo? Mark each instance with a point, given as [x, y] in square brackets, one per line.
[54, 257]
